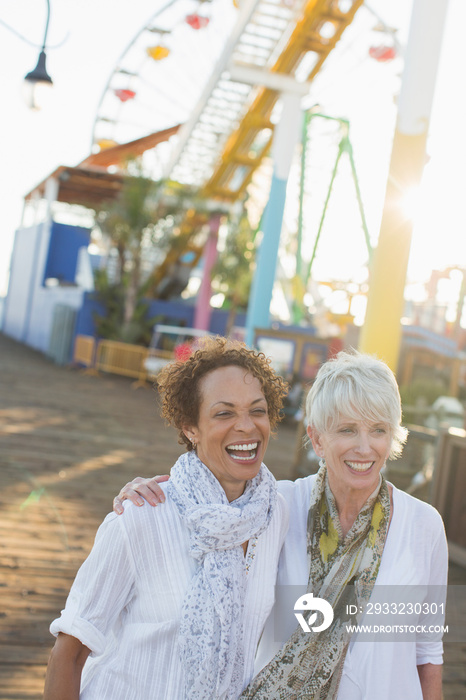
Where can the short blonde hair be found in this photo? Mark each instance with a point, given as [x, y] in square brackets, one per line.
[355, 384]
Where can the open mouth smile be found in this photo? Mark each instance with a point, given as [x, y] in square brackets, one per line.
[243, 452]
[359, 466]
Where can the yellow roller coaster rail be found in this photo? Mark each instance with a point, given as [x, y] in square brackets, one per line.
[239, 159]
[317, 30]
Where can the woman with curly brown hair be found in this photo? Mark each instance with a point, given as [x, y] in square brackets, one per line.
[171, 602]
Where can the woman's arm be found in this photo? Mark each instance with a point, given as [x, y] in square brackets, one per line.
[67, 659]
[430, 676]
[148, 488]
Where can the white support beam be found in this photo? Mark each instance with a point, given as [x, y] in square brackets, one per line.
[273, 81]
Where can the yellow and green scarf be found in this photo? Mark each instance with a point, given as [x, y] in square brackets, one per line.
[342, 570]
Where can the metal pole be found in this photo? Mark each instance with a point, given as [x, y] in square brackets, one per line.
[203, 310]
[349, 150]
[381, 334]
[44, 43]
[285, 139]
[324, 212]
[297, 303]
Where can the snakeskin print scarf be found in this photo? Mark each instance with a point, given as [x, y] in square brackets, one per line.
[211, 628]
[342, 570]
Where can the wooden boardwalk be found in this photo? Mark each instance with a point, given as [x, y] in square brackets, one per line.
[68, 441]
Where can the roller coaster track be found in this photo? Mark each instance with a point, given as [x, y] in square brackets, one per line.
[231, 129]
[289, 41]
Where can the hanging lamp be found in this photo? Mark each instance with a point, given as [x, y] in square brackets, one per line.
[38, 82]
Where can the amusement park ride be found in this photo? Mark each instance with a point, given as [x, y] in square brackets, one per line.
[199, 93]
[227, 113]
[227, 97]
[203, 94]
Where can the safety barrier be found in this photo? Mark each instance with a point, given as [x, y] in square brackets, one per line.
[116, 357]
[84, 351]
[121, 358]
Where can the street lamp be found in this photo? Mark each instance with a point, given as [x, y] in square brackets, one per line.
[38, 82]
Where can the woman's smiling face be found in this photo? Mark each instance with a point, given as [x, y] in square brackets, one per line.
[355, 451]
[233, 428]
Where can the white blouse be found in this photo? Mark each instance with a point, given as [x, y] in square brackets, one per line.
[126, 601]
[415, 554]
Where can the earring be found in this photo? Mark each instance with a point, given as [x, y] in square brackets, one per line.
[194, 444]
[322, 463]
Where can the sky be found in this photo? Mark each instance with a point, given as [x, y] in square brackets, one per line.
[86, 38]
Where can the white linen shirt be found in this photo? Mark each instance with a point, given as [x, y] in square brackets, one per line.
[125, 603]
[415, 553]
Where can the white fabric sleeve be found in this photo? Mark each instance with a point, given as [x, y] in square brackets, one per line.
[102, 588]
[286, 489]
[284, 511]
[431, 652]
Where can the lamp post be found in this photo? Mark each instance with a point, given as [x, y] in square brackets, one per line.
[38, 80]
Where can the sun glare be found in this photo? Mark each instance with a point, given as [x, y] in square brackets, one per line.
[411, 203]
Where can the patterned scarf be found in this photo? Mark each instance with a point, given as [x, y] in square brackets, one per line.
[342, 570]
[211, 628]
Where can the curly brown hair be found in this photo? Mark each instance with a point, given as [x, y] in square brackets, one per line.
[178, 382]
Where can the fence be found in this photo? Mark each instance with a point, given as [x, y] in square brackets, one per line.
[84, 351]
[449, 490]
[135, 361]
[121, 358]
[61, 333]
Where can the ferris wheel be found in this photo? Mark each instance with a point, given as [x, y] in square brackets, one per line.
[160, 75]
[185, 68]
[205, 66]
